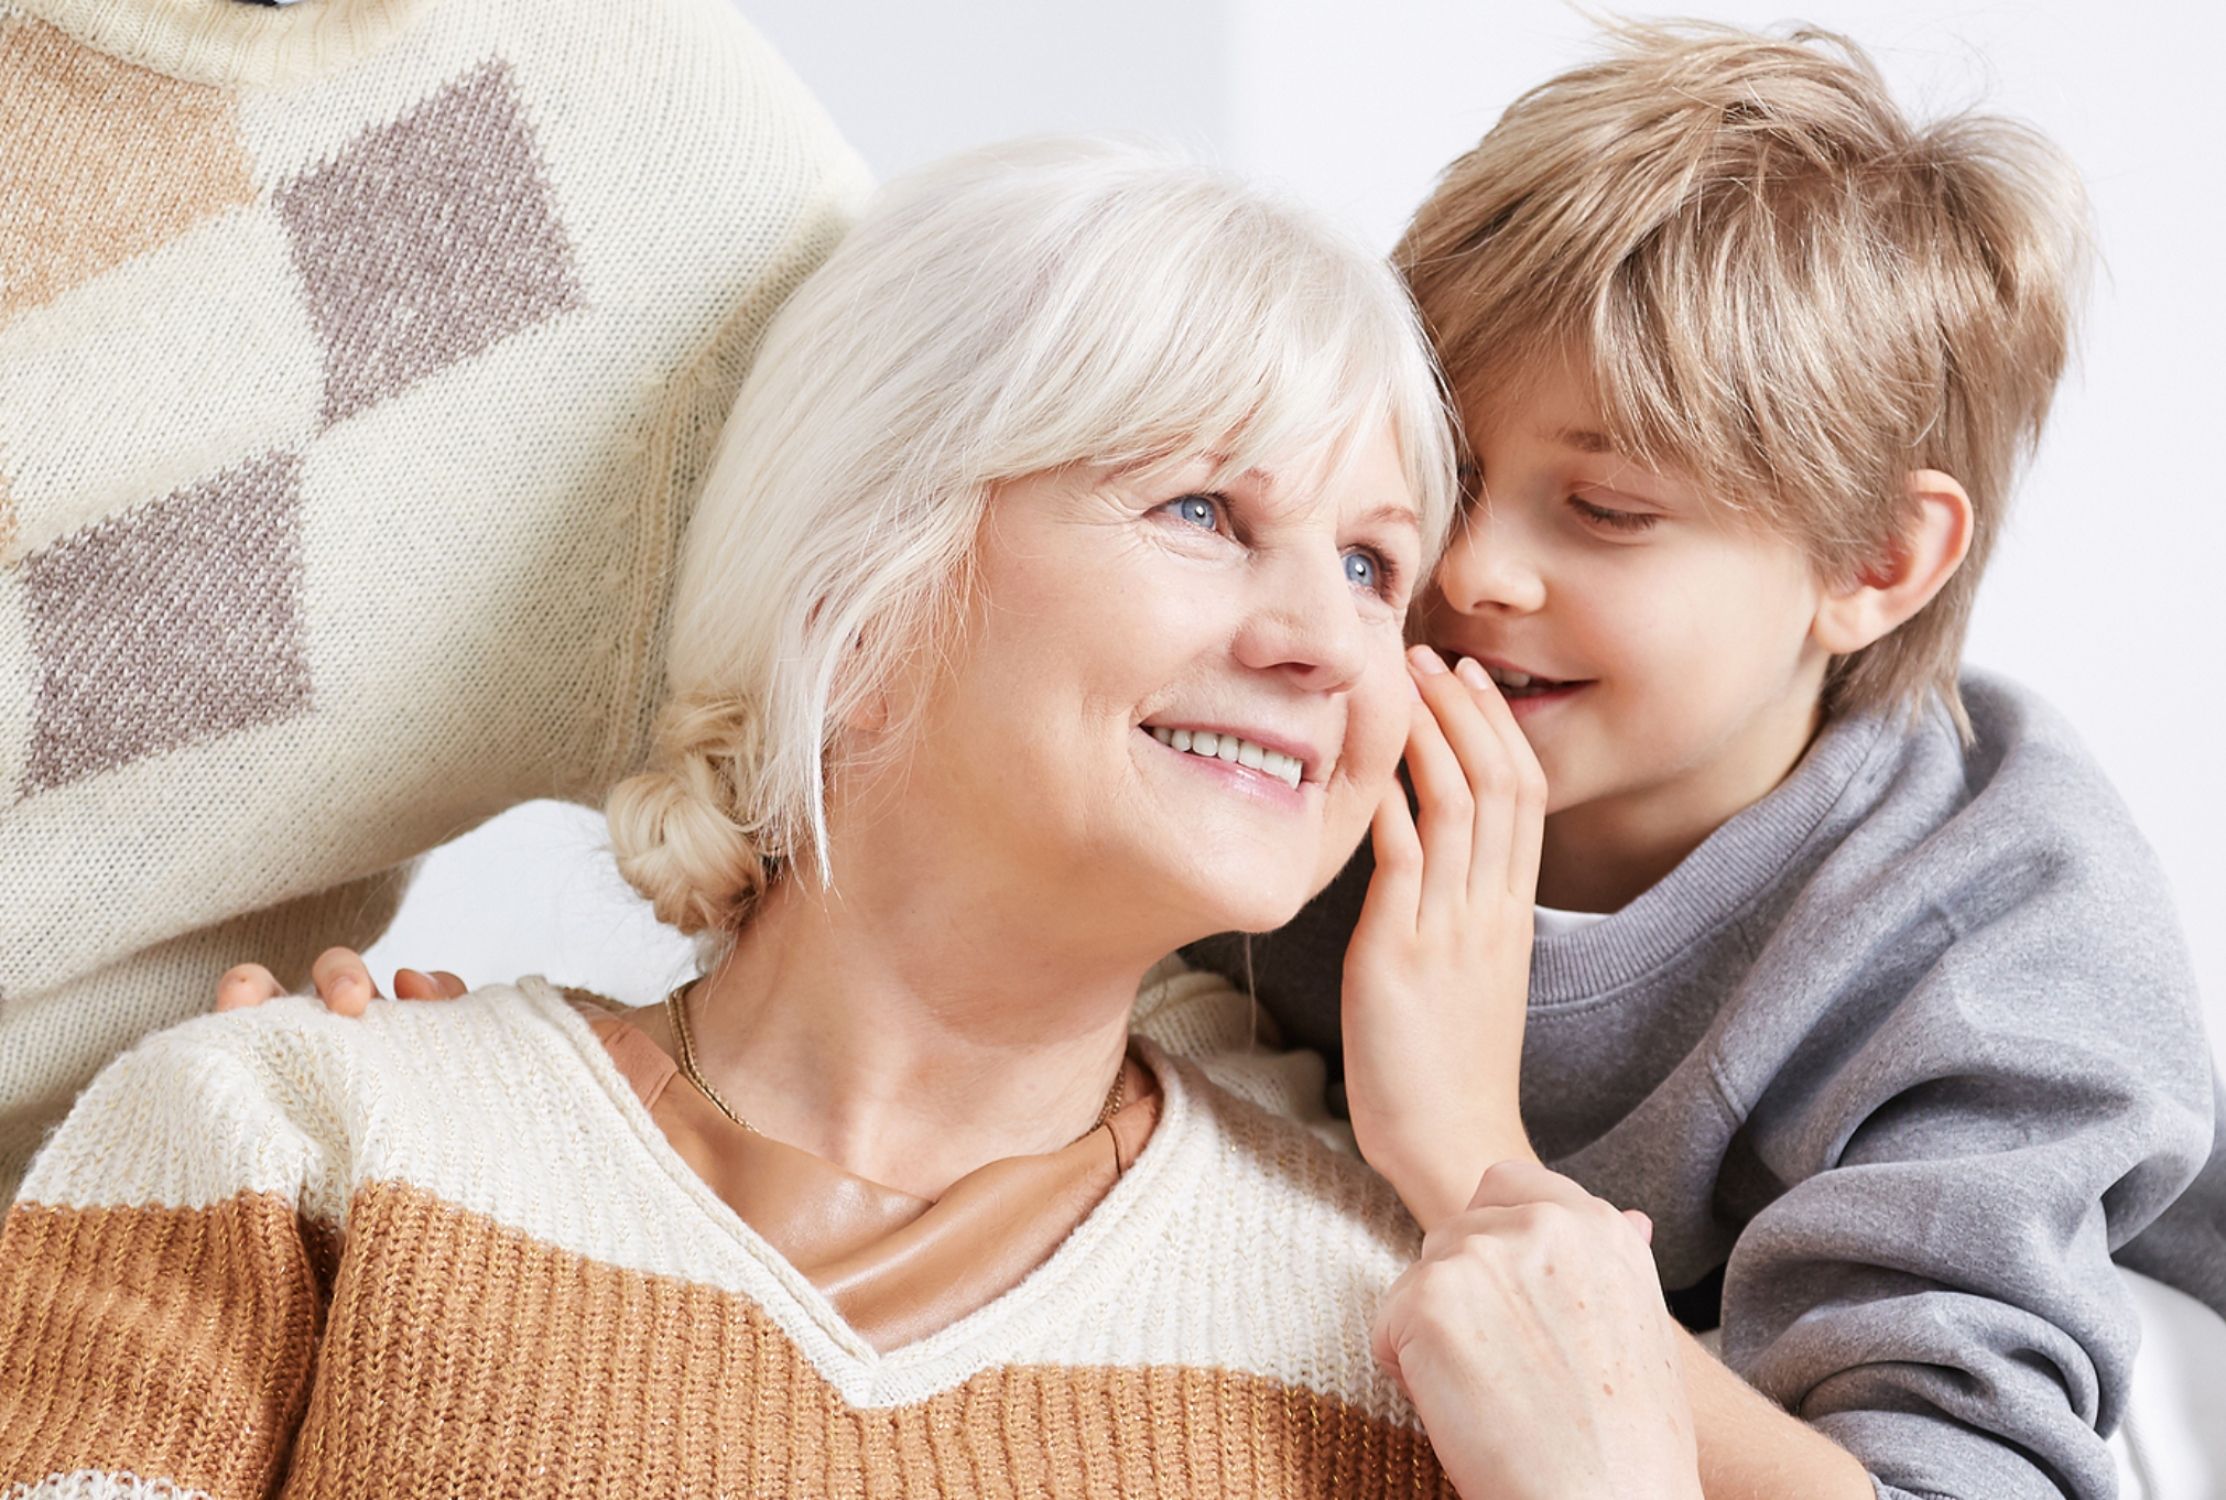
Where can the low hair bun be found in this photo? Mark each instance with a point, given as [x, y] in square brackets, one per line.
[677, 830]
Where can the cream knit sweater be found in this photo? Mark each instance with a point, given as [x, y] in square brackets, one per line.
[357, 363]
[444, 1250]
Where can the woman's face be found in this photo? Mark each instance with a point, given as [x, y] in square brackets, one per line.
[1123, 624]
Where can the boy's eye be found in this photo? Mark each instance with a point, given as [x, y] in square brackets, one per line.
[1613, 520]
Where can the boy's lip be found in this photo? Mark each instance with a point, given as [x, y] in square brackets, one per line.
[1526, 702]
[1529, 705]
[1500, 666]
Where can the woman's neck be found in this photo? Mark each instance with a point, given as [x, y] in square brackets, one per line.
[909, 1040]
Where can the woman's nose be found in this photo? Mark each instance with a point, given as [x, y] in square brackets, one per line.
[1487, 567]
[1306, 624]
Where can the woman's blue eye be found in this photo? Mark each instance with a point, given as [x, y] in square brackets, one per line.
[1199, 510]
[1361, 571]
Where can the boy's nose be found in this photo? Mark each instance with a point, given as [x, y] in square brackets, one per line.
[1486, 568]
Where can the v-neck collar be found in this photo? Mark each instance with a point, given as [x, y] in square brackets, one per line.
[897, 1265]
[1110, 1239]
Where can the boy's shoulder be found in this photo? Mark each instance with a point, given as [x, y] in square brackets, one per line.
[2022, 801]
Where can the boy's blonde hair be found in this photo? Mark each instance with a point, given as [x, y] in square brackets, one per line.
[1782, 286]
[1011, 311]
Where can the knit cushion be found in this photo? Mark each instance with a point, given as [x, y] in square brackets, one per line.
[356, 369]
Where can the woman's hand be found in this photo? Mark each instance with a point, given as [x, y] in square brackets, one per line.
[343, 983]
[1532, 1337]
[1437, 975]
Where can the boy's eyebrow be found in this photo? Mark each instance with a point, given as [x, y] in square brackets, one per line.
[1584, 440]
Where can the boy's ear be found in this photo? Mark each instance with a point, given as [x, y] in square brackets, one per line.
[1918, 565]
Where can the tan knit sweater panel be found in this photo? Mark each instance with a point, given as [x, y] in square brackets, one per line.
[358, 360]
[444, 1250]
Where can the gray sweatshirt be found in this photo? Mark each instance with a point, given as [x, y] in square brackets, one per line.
[1897, 1061]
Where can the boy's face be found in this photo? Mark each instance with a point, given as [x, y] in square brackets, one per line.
[1675, 678]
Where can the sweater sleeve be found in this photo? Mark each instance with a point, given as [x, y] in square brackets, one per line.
[161, 1290]
[1934, 1285]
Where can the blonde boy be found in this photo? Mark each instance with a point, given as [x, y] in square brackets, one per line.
[1850, 968]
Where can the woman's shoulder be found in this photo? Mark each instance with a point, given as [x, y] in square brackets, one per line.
[1280, 1151]
[284, 1094]
[1248, 1248]
[296, 1039]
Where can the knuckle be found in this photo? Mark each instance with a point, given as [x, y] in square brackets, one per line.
[1504, 1173]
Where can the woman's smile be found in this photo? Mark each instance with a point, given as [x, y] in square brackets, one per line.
[1256, 764]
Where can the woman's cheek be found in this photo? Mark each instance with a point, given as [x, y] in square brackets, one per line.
[1376, 736]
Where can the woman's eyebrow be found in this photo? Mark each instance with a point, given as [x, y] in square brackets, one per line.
[1398, 512]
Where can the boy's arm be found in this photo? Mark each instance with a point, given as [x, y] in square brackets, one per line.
[1935, 1288]
[160, 1303]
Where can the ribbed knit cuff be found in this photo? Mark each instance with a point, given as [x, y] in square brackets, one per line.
[225, 43]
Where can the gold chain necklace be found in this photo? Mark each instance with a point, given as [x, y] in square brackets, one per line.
[676, 1007]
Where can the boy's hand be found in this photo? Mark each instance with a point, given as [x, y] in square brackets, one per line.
[343, 983]
[1535, 1310]
[1437, 976]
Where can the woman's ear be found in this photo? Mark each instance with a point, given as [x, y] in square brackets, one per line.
[1916, 567]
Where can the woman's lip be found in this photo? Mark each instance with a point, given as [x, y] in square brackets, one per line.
[1310, 760]
[1237, 777]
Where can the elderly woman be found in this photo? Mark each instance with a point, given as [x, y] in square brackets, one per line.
[1042, 614]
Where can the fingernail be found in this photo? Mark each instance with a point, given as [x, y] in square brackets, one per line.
[350, 991]
[1469, 672]
[1426, 660]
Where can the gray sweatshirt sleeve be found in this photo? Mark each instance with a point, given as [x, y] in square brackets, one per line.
[1965, 1148]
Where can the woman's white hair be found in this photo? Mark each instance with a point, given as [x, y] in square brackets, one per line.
[1004, 313]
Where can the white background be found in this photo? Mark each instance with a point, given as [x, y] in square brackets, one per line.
[2106, 592]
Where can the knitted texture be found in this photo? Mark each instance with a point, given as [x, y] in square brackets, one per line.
[355, 377]
[444, 1250]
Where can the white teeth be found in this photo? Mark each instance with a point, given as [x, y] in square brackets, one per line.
[1511, 679]
[1288, 769]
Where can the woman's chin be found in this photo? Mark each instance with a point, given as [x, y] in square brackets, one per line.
[1265, 913]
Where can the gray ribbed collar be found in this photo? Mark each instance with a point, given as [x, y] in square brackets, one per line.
[1719, 879]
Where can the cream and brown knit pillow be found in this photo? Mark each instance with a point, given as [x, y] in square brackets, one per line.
[357, 362]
